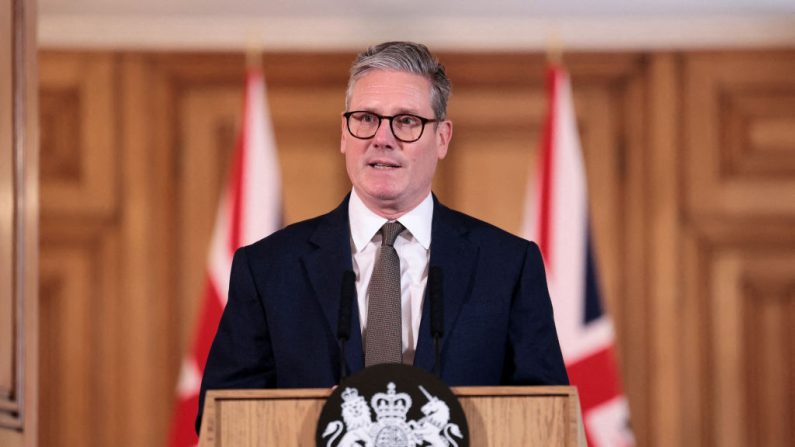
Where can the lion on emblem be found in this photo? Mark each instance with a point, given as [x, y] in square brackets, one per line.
[358, 420]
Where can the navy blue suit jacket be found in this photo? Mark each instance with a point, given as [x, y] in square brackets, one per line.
[278, 329]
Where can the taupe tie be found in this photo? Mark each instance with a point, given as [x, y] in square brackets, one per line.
[384, 331]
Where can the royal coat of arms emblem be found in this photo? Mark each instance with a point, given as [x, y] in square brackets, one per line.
[391, 427]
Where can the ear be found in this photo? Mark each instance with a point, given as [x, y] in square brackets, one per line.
[444, 133]
[343, 133]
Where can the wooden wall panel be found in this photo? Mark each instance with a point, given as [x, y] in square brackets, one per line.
[654, 266]
[79, 345]
[769, 388]
[80, 163]
[632, 311]
[79, 338]
[739, 132]
[147, 238]
[740, 282]
[739, 248]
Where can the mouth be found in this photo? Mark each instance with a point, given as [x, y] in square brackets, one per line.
[383, 164]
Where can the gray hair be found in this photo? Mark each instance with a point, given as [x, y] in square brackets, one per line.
[407, 57]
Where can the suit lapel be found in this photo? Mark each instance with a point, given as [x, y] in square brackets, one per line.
[325, 266]
[452, 251]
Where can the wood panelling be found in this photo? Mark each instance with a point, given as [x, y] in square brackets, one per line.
[78, 275]
[653, 268]
[769, 301]
[79, 342]
[756, 133]
[740, 290]
[740, 115]
[739, 249]
[147, 238]
[78, 148]
[633, 308]
[689, 158]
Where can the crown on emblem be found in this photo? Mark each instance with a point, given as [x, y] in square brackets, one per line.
[391, 405]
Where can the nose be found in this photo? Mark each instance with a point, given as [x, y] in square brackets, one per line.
[383, 136]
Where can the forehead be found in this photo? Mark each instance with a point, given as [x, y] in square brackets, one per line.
[389, 92]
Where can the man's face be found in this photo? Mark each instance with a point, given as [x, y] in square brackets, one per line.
[391, 176]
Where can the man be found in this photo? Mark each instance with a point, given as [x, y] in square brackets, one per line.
[280, 322]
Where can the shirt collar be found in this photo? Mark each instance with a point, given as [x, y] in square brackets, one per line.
[365, 223]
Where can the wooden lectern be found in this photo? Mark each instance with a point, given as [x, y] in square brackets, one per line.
[497, 416]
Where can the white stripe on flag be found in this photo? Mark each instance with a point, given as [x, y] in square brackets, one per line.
[262, 182]
[568, 224]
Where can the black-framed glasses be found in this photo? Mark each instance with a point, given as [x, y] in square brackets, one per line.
[405, 127]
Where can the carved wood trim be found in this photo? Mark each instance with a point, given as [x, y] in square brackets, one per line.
[79, 334]
[740, 134]
[733, 270]
[655, 183]
[80, 173]
[18, 221]
[7, 211]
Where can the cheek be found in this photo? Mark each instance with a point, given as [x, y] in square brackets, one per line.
[350, 151]
[428, 162]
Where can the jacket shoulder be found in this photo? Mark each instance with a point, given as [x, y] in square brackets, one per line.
[292, 240]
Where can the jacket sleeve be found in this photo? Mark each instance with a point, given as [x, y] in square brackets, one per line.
[241, 355]
[534, 355]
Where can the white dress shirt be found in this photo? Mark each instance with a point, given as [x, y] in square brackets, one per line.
[413, 247]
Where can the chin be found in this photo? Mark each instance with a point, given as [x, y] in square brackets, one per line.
[382, 190]
[379, 196]
[386, 196]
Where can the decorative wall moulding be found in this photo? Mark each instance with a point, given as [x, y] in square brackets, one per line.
[224, 33]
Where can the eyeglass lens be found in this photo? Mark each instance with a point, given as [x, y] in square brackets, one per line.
[406, 128]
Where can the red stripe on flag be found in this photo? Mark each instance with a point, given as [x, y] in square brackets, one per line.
[596, 378]
[208, 323]
[547, 163]
[182, 431]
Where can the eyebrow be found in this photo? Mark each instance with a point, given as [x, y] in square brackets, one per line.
[401, 111]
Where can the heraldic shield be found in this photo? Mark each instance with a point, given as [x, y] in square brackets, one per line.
[392, 405]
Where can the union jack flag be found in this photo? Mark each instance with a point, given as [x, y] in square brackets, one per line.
[556, 216]
[250, 209]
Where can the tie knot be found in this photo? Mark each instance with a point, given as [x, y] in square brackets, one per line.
[390, 232]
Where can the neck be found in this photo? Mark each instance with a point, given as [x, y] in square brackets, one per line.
[390, 210]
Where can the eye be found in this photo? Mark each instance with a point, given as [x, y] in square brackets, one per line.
[365, 117]
[407, 121]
